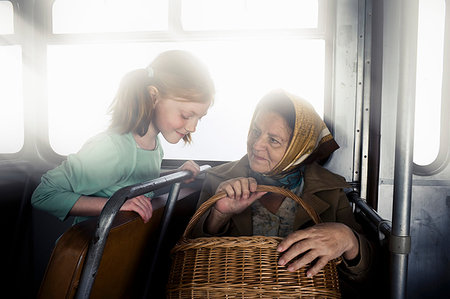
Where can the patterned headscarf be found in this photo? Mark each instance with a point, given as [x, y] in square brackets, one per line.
[311, 140]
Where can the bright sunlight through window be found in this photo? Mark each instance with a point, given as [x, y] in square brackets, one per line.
[430, 53]
[83, 80]
[6, 18]
[88, 16]
[250, 14]
[11, 100]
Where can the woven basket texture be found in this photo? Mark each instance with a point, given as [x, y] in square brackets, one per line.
[243, 267]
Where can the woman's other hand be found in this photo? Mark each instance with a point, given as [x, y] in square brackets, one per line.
[240, 193]
[192, 167]
[321, 242]
[141, 205]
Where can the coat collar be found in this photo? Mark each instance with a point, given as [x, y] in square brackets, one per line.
[317, 179]
[231, 170]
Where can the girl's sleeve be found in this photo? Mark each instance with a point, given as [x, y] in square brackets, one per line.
[95, 167]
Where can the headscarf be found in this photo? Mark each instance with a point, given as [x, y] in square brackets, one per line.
[311, 140]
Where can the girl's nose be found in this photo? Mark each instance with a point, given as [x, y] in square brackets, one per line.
[191, 125]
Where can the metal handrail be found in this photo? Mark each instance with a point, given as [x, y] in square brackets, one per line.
[380, 224]
[104, 223]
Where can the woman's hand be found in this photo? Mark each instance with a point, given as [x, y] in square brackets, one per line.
[141, 205]
[240, 193]
[192, 167]
[323, 241]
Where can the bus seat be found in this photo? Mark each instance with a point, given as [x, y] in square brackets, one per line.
[16, 186]
[126, 259]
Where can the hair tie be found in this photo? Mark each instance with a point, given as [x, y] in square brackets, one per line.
[149, 70]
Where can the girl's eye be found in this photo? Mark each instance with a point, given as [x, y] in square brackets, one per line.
[185, 116]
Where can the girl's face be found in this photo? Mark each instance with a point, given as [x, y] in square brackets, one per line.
[176, 117]
[267, 141]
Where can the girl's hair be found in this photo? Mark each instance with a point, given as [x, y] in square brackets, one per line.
[175, 74]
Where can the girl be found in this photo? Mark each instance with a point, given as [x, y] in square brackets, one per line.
[168, 97]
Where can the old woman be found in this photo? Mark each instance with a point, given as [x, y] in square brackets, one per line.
[286, 143]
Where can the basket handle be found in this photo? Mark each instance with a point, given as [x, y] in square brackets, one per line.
[213, 199]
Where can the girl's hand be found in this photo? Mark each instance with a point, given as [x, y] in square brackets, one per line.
[241, 193]
[192, 167]
[141, 205]
[323, 241]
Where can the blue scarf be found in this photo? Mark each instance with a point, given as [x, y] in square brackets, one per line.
[289, 181]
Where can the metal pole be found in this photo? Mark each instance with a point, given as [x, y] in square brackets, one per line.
[170, 205]
[112, 206]
[400, 241]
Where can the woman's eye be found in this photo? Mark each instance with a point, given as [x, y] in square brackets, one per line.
[255, 132]
[274, 141]
[184, 116]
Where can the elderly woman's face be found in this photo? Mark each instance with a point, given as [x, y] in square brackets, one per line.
[267, 141]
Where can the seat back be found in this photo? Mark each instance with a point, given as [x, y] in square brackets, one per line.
[126, 258]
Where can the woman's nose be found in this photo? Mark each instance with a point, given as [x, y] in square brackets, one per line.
[259, 143]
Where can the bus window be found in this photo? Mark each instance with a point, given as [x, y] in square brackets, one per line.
[250, 14]
[89, 16]
[11, 100]
[83, 77]
[6, 18]
[430, 53]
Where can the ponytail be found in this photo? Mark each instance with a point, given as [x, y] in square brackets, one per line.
[132, 107]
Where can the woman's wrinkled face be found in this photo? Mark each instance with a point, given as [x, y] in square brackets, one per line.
[267, 141]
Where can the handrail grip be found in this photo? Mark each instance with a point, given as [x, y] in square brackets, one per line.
[104, 223]
[373, 216]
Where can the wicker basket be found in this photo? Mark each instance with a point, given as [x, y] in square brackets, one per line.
[243, 267]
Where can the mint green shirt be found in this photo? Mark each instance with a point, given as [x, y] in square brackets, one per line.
[105, 164]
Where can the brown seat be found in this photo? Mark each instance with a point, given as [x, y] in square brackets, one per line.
[126, 257]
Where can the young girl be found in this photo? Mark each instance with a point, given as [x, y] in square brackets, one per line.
[167, 97]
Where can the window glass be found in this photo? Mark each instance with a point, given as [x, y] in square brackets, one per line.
[429, 80]
[249, 14]
[89, 16]
[83, 80]
[11, 102]
[6, 18]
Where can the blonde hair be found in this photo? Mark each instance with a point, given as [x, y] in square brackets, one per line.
[174, 73]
